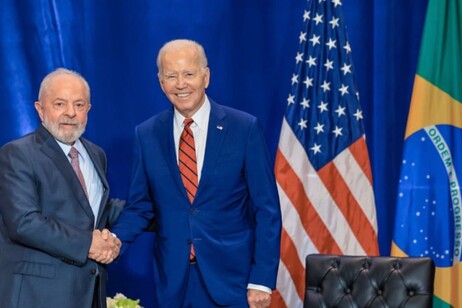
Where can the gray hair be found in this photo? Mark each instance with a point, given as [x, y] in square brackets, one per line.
[44, 86]
[179, 44]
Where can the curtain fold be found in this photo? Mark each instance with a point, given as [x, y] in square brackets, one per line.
[251, 46]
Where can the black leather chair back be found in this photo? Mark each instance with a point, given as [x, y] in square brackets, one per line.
[360, 281]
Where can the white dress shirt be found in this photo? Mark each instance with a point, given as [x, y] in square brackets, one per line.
[199, 129]
[90, 175]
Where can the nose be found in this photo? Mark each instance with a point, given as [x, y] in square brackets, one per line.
[70, 110]
[180, 82]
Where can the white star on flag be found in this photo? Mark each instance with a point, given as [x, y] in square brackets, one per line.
[323, 173]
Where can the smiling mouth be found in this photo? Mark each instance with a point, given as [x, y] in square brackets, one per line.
[182, 95]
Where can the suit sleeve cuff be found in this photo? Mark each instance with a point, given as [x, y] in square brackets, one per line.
[259, 288]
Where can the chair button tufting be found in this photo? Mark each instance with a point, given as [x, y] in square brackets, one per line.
[379, 292]
[411, 293]
[318, 290]
[366, 263]
[347, 291]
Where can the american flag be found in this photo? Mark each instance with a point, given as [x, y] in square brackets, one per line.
[322, 163]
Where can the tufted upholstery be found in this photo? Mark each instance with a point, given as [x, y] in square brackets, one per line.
[359, 281]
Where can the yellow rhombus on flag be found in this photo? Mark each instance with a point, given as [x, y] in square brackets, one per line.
[429, 207]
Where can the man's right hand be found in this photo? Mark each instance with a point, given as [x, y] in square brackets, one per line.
[104, 247]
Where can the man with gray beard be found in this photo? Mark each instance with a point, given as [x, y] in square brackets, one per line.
[54, 206]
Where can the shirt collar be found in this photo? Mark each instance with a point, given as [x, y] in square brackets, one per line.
[77, 144]
[200, 117]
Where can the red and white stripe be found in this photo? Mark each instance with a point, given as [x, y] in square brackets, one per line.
[329, 211]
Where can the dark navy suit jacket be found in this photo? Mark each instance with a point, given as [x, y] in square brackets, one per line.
[234, 221]
[46, 226]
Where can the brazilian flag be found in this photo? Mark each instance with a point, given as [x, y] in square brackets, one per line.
[429, 207]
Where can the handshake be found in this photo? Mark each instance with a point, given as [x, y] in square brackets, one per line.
[105, 247]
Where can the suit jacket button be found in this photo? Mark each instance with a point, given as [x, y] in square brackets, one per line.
[93, 271]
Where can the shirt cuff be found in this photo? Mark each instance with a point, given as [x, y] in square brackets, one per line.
[259, 288]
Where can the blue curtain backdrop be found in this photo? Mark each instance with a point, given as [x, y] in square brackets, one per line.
[251, 46]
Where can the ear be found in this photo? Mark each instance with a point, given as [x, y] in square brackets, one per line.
[206, 77]
[161, 82]
[39, 107]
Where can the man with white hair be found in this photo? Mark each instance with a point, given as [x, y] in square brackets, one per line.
[54, 206]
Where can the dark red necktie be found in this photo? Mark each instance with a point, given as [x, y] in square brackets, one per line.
[188, 165]
[187, 160]
[74, 155]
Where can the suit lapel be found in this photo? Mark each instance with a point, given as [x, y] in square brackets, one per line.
[99, 167]
[165, 132]
[51, 148]
[215, 136]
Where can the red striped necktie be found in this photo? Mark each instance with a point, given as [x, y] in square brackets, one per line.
[188, 165]
[187, 160]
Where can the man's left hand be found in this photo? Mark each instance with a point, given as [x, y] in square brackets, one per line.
[258, 299]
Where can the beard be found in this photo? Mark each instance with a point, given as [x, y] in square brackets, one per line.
[65, 135]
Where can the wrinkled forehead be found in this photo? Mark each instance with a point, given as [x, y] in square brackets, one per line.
[66, 86]
[181, 51]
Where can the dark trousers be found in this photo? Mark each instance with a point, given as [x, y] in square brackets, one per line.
[197, 295]
[96, 298]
